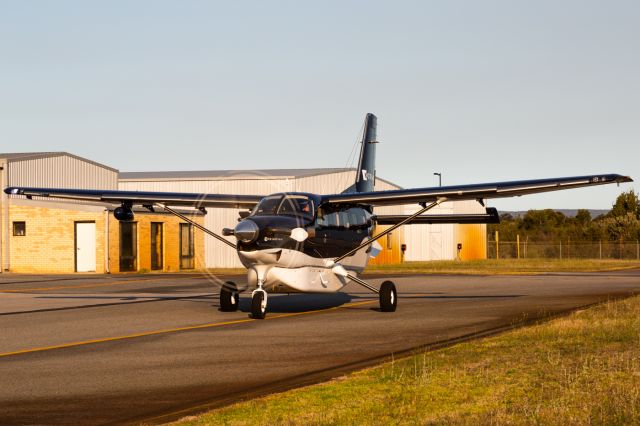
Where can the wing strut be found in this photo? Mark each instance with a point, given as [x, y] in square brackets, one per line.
[439, 201]
[197, 225]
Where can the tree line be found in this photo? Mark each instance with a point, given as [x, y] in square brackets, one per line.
[621, 223]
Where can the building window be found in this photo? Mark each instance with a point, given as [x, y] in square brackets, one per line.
[19, 229]
[186, 246]
[128, 246]
[389, 240]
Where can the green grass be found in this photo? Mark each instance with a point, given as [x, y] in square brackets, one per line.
[579, 369]
[503, 266]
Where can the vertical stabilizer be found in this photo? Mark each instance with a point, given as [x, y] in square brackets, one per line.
[366, 176]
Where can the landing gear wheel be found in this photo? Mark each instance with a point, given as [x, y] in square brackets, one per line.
[388, 297]
[229, 297]
[258, 305]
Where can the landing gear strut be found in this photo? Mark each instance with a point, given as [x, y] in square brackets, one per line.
[387, 292]
[229, 297]
[259, 295]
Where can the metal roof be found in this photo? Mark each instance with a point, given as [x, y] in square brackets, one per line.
[230, 174]
[21, 156]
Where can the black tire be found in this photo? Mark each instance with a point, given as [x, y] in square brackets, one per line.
[229, 297]
[258, 308]
[388, 297]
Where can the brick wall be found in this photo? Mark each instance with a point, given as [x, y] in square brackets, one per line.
[49, 243]
[171, 243]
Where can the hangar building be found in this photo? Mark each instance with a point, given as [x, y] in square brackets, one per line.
[45, 236]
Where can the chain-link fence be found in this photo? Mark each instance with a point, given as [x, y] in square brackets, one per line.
[563, 250]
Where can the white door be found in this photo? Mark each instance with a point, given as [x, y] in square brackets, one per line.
[85, 247]
[435, 242]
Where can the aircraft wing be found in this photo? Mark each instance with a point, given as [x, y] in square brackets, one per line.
[472, 192]
[491, 216]
[141, 197]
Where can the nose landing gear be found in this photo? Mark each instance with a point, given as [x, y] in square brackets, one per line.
[259, 303]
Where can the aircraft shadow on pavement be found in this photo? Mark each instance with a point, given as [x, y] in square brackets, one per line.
[293, 303]
[299, 302]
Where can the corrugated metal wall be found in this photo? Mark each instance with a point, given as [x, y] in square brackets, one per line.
[439, 242]
[429, 242]
[61, 172]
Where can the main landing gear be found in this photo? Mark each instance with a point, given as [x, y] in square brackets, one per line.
[387, 293]
[229, 297]
[388, 297]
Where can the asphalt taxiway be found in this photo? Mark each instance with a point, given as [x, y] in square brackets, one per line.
[99, 349]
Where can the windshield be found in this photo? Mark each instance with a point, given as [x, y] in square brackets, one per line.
[296, 205]
[268, 205]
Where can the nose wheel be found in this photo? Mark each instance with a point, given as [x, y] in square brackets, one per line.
[229, 297]
[259, 304]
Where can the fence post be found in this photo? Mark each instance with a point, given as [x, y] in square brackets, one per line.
[518, 244]
[600, 249]
[637, 249]
[497, 245]
[560, 249]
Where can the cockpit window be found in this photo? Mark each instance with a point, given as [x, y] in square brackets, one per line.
[296, 205]
[267, 205]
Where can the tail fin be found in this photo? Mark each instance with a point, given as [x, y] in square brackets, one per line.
[366, 176]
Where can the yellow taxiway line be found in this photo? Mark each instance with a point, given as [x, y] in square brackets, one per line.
[114, 283]
[176, 330]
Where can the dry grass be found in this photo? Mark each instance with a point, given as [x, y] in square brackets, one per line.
[580, 369]
[503, 266]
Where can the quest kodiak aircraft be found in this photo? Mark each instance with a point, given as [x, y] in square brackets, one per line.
[311, 243]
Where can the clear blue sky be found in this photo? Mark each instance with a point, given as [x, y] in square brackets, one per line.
[477, 90]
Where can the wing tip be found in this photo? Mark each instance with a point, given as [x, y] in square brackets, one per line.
[12, 190]
[623, 179]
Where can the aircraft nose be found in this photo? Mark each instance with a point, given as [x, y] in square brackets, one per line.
[246, 231]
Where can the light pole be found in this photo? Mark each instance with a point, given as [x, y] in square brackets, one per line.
[439, 178]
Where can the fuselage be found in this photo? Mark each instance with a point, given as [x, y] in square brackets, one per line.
[267, 248]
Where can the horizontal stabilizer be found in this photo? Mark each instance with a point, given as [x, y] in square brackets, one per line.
[491, 216]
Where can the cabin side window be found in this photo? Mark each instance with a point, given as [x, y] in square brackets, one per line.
[328, 219]
[357, 217]
[351, 218]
